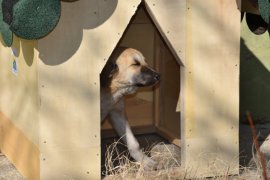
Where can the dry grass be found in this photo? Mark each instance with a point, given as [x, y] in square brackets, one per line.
[259, 155]
[119, 166]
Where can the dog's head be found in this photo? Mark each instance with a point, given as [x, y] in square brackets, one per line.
[130, 69]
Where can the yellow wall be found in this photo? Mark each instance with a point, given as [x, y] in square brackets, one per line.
[19, 107]
[54, 99]
[210, 89]
[19, 93]
[71, 59]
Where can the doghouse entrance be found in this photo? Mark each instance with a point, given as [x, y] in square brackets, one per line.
[152, 109]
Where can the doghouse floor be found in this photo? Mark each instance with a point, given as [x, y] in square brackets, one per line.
[146, 141]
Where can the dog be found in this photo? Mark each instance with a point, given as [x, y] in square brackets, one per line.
[124, 73]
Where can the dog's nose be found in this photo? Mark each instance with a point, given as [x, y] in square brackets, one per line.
[157, 77]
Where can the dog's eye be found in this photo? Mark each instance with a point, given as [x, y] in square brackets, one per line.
[136, 63]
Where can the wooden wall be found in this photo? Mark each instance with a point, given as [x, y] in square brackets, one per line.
[210, 77]
[167, 119]
[54, 99]
[19, 95]
[71, 59]
[19, 123]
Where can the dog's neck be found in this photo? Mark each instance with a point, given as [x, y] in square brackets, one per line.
[119, 91]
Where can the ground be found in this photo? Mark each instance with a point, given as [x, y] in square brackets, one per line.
[7, 170]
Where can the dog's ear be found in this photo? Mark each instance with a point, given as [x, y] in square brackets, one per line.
[107, 73]
[114, 69]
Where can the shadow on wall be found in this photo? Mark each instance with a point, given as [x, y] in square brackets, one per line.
[26, 46]
[66, 38]
[68, 34]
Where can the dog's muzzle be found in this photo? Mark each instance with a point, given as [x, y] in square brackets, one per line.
[147, 77]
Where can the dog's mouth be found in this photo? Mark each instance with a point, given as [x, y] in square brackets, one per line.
[141, 85]
[146, 77]
[151, 82]
[146, 84]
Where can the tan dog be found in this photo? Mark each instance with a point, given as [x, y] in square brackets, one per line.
[125, 72]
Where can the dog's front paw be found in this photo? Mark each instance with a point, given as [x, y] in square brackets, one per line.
[148, 163]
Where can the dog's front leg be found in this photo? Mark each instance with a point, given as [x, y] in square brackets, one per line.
[120, 123]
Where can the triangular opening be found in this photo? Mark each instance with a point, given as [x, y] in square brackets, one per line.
[151, 112]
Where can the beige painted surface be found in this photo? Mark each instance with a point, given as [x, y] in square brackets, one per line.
[19, 124]
[170, 20]
[210, 111]
[71, 58]
[21, 151]
[75, 163]
[18, 93]
[54, 99]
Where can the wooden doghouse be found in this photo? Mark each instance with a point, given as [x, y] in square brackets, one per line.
[50, 105]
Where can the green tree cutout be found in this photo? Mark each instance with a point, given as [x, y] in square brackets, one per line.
[28, 19]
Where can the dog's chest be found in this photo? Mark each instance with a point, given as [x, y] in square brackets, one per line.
[108, 103]
[106, 106]
[112, 101]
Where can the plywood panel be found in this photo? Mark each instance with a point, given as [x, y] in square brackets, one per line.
[73, 163]
[169, 119]
[211, 87]
[71, 59]
[19, 149]
[170, 19]
[18, 92]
